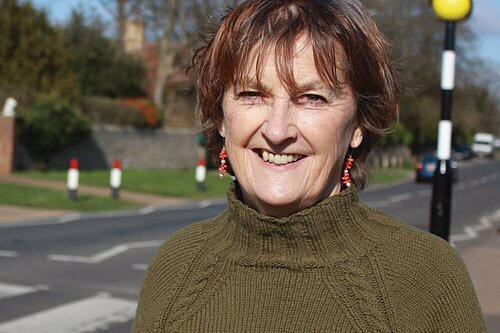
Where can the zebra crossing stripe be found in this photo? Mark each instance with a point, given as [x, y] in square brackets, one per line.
[12, 290]
[87, 315]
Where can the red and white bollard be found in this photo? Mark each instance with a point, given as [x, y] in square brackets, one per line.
[72, 181]
[115, 180]
[201, 173]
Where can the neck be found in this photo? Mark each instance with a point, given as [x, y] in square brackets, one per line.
[333, 229]
[283, 211]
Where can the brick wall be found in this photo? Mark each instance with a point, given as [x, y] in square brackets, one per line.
[136, 148]
[6, 144]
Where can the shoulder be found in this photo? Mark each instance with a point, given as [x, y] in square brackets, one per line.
[415, 248]
[175, 254]
[415, 258]
[168, 268]
[425, 275]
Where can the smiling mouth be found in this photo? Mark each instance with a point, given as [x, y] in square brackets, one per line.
[279, 159]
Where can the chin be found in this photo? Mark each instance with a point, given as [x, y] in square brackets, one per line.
[278, 204]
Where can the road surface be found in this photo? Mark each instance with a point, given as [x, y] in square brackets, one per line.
[82, 273]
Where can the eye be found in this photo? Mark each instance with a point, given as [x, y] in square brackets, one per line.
[311, 100]
[250, 96]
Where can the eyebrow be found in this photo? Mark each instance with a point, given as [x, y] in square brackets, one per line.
[316, 84]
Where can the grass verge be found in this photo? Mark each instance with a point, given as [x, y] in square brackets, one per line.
[160, 182]
[181, 183]
[388, 176]
[27, 196]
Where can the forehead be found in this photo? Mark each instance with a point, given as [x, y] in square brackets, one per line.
[293, 62]
[271, 57]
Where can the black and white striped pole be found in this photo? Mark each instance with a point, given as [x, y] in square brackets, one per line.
[450, 11]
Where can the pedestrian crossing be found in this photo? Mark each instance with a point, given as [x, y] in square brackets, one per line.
[11, 290]
[98, 313]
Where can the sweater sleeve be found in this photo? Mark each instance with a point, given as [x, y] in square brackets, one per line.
[164, 278]
[456, 307]
[431, 283]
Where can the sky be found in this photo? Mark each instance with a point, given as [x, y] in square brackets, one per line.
[485, 21]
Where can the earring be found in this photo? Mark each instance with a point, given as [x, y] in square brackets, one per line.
[223, 165]
[346, 177]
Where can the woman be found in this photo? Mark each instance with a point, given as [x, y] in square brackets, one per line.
[293, 94]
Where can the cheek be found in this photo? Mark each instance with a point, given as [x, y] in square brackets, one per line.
[327, 131]
[241, 122]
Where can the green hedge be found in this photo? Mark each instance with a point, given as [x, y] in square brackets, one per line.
[50, 126]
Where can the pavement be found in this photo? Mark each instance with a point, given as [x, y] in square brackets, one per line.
[482, 259]
[481, 255]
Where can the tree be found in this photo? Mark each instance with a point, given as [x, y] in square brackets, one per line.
[101, 68]
[33, 58]
[418, 37]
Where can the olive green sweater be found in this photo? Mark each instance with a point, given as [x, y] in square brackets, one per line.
[336, 267]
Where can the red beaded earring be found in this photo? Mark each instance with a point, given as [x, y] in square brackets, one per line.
[346, 177]
[223, 164]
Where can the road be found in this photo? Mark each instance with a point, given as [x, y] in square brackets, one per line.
[83, 273]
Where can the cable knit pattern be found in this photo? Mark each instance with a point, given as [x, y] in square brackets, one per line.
[338, 266]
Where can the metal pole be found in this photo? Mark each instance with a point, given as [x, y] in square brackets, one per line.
[442, 185]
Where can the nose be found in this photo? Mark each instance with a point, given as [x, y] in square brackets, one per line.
[279, 125]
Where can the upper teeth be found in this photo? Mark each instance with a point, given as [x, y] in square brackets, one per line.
[279, 159]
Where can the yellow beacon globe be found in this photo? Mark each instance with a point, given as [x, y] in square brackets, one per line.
[452, 10]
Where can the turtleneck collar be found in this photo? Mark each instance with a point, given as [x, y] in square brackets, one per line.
[333, 229]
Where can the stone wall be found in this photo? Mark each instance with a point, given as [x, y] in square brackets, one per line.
[390, 157]
[135, 148]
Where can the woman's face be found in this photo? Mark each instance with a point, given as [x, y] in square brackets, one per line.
[287, 152]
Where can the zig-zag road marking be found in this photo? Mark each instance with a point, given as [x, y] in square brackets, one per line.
[8, 254]
[471, 231]
[105, 255]
[8, 290]
[92, 314]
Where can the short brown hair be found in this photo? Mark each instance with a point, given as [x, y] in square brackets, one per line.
[341, 32]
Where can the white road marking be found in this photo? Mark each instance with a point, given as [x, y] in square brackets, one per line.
[105, 255]
[69, 218]
[461, 186]
[140, 267]
[471, 231]
[459, 238]
[87, 315]
[496, 215]
[400, 197]
[484, 224]
[147, 210]
[204, 203]
[8, 254]
[8, 290]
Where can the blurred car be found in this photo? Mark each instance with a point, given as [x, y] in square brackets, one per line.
[496, 143]
[483, 145]
[426, 166]
[462, 152]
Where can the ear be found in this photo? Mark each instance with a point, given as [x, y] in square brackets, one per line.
[357, 137]
[222, 130]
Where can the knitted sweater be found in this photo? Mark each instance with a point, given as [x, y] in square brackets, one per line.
[338, 266]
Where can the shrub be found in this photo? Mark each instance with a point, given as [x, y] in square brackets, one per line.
[144, 108]
[136, 112]
[50, 126]
[102, 110]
